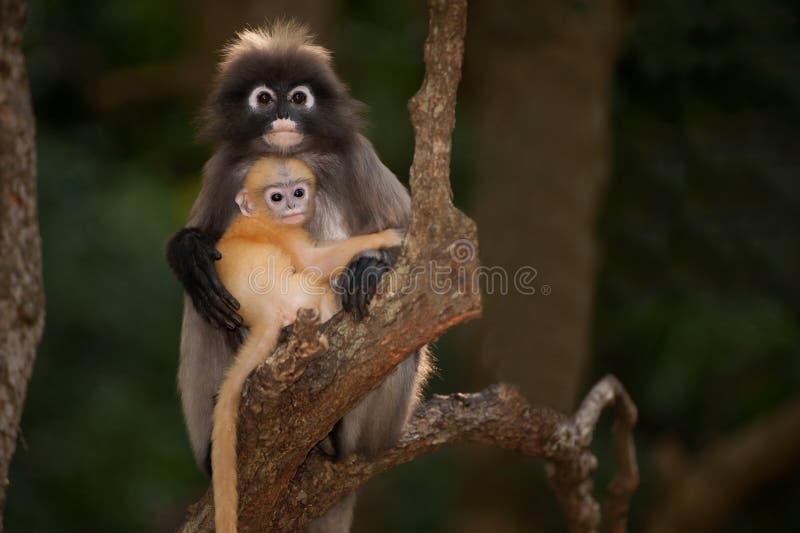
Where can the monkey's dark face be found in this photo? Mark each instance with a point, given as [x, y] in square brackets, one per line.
[283, 102]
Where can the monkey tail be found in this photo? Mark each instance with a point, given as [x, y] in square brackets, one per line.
[259, 344]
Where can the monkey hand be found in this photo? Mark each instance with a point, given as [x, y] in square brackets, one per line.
[359, 281]
[191, 255]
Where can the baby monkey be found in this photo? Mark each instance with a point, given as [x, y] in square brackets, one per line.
[268, 238]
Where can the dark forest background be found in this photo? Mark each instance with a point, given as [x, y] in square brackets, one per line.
[644, 157]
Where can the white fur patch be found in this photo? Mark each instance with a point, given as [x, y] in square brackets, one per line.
[309, 103]
[283, 134]
[252, 100]
[333, 225]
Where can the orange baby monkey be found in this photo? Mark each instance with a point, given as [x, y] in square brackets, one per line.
[268, 239]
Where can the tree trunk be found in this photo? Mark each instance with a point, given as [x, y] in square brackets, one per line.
[542, 75]
[21, 293]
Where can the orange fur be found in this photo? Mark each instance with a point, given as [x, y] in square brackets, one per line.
[262, 243]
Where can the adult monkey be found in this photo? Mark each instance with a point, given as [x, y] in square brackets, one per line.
[276, 93]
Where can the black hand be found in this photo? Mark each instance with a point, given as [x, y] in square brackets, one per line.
[191, 255]
[359, 282]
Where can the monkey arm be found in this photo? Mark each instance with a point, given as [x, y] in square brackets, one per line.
[191, 254]
[334, 256]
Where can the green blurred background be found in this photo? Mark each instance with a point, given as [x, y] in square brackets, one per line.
[643, 156]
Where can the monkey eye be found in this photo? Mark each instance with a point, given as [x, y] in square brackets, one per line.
[299, 193]
[276, 197]
[302, 96]
[260, 96]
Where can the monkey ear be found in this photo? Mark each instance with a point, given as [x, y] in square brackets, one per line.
[245, 204]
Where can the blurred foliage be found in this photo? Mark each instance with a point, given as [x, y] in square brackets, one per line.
[697, 299]
[698, 295]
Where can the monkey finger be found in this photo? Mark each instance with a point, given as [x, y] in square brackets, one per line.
[363, 273]
[212, 281]
[215, 287]
[377, 269]
[207, 311]
[348, 285]
[354, 288]
[231, 319]
[220, 289]
[222, 319]
[218, 309]
[364, 280]
[371, 286]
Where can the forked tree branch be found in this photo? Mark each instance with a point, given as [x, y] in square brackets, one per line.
[499, 416]
[294, 399]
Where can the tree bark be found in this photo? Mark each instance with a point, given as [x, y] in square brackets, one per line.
[293, 400]
[21, 292]
[499, 416]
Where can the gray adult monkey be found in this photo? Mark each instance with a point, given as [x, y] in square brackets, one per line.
[277, 93]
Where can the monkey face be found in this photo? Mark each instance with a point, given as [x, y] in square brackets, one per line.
[281, 188]
[282, 101]
[289, 203]
[289, 110]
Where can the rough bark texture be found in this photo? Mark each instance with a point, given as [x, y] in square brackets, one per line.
[542, 72]
[21, 293]
[295, 398]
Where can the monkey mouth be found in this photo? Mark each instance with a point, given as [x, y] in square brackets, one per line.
[283, 134]
[294, 218]
[283, 139]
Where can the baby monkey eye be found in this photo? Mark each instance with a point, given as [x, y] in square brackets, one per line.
[276, 197]
[299, 193]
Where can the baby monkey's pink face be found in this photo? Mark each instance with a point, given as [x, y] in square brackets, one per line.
[289, 202]
[281, 188]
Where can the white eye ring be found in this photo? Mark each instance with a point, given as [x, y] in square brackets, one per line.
[273, 191]
[309, 103]
[252, 100]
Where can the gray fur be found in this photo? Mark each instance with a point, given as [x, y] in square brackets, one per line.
[356, 194]
[205, 354]
[377, 421]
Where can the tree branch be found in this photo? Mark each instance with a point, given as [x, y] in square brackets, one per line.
[499, 416]
[283, 482]
[21, 292]
[570, 478]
